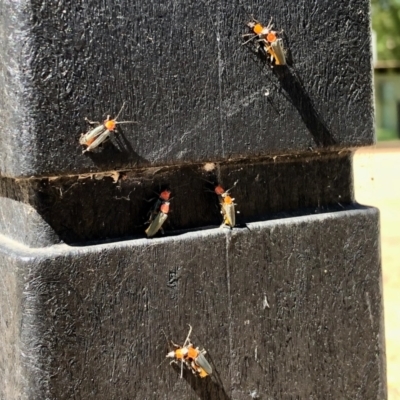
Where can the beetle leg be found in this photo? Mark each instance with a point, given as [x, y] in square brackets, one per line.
[92, 122]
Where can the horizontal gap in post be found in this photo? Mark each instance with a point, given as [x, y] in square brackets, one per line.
[115, 206]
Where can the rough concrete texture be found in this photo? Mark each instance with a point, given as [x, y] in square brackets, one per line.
[77, 209]
[286, 309]
[195, 91]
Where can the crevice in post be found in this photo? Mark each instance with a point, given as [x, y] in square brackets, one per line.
[115, 205]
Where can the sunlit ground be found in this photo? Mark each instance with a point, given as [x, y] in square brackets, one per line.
[377, 183]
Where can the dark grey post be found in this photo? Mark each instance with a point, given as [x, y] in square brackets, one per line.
[288, 304]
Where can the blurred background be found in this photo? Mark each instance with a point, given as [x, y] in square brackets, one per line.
[386, 57]
[376, 170]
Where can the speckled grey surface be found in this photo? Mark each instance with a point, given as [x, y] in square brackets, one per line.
[196, 92]
[286, 309]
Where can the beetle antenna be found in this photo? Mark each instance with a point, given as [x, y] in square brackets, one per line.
[120, 111]
[227, 191]
[187, 340]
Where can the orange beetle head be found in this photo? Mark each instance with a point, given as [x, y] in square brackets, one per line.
[110, 124]
[257, 28]
[165, 195]
[180, 353]
[219, 190]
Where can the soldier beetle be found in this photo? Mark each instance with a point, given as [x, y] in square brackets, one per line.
[157, 219]
[96, 136]
[227, 205]
[192, 357]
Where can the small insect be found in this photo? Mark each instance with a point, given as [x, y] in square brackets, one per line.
[269, 39]
[158, 220]
[227, 205]
[192, 357]
[228, 210]
[96, 136]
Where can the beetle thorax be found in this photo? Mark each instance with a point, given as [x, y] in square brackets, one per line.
[192, 352]
[271, 37]
[110, 125]
[228, 200]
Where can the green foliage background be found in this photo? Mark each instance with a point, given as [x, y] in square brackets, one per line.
[386, 24]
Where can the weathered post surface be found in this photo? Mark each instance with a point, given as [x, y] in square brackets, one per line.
[288, 304]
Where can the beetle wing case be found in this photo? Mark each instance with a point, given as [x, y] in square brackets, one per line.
[229, 213]
[100, 139]
[279, 52]
[94, 138]
[156, 224]
[202, 362]
[92, 134]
